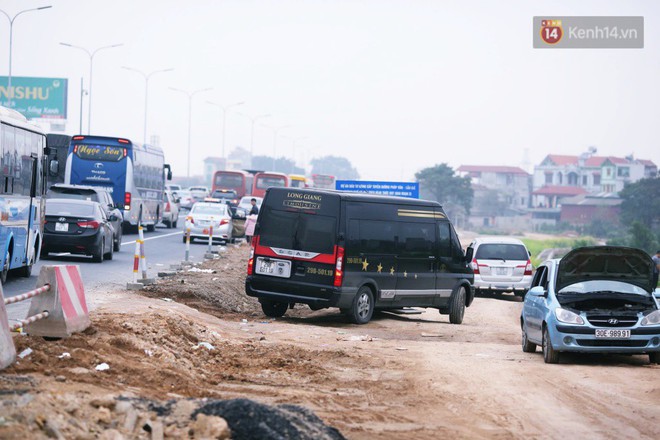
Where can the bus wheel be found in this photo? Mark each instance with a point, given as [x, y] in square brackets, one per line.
[5, 268]
[26, 270]
[362, 308]
[151, 227]
[274, 309]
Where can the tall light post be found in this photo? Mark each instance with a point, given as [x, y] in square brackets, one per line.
[253, 119]
[225, 109]
[293, 150]
[146, 77]
[11, 39]
[276, 131]
[190, 98]
[91, 71]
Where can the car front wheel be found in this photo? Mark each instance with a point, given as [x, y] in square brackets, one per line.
[457, 306]
[654, 358]
[550, 356]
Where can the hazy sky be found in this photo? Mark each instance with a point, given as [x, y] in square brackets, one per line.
[394, 86]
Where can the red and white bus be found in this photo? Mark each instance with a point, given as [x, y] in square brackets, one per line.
[238, 180]
[266, 179]
[324, 181]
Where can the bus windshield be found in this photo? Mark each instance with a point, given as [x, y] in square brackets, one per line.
[264, 182]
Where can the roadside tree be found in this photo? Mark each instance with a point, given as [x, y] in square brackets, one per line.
[446, 187]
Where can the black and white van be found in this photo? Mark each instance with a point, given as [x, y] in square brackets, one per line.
[357, 252]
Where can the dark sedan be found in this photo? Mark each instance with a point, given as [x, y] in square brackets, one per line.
[78, 227]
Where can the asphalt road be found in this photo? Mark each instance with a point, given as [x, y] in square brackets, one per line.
[163, 247]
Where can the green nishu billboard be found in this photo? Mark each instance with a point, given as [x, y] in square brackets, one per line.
[35, 98]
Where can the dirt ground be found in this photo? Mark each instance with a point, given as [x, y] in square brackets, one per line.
[196, 337]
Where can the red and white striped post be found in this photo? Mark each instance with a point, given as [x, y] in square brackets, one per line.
[143, 257]
[187, 245]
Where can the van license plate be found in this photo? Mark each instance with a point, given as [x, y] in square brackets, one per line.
[612, 334]
[275, 268]
[61, 227]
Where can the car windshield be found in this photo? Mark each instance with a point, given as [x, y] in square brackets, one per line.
[210, 209]
[501, 251]
[66, 209]
[602, 286]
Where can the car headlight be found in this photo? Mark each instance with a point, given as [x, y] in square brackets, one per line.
[568, 317]
[652, 318]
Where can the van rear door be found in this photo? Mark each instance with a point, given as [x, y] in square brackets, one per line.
[296, 237]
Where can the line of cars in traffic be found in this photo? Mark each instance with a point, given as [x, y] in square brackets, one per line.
[221, 213]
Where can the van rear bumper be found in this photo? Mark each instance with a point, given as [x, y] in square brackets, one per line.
[332, 296]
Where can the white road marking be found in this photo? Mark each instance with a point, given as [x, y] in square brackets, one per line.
[153, 238]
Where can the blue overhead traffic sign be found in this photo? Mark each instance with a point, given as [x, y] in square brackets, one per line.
[399, 189]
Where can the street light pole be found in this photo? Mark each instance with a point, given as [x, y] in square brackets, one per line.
[293, 152]
[146, 92]
[190, 97]
[225, 109]
[91, 71]
[11, 39]
[253, 119]
[276, 131]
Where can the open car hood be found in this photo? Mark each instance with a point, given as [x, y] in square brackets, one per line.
[615, 263]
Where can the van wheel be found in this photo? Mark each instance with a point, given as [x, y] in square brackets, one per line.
[457, 306]
[362, 308]
[274, 309]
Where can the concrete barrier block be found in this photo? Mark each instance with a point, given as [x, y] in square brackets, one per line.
[7, 349]
[65, 301]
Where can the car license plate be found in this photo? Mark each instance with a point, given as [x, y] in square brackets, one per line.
[275, 268]
[61, 227]
[612, 334]
[501, 270]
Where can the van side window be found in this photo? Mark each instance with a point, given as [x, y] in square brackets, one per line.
[417, 239]
[456, 249]
[377, 236]
[444, 240]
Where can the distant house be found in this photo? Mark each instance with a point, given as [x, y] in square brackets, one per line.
[594, 174]
[501, 196]
[585, 208]
[211, 165]
[510, 183]
[551, 196]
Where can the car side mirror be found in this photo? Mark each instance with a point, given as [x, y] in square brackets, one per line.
[113, 218]
[656, 293]
[537, 291]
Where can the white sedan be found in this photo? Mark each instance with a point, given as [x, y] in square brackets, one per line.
[208, 217]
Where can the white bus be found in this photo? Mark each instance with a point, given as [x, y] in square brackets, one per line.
[134, 174]
[22, 184]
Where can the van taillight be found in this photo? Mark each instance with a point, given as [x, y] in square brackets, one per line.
[127, 201]
[250, 267]
[475, 266]
[339, 267]
[528, 268]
